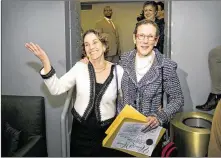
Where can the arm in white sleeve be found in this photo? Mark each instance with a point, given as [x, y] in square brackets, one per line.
[56, 85]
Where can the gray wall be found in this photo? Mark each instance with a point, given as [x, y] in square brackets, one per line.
[195, 31]
[41, 22]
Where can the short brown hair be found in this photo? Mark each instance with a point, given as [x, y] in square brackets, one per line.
[144, 22]
[152, 3]
[101, 36]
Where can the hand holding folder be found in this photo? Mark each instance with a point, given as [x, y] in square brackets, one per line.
[128, 116]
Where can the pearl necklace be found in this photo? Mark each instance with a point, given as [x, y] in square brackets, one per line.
[150, 60]
[141, 70]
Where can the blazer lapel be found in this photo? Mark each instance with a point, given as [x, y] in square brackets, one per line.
[110, 26]
[153, 73]
[130, 67]
[150, 76]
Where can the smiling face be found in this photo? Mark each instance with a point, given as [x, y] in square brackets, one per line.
[93, 47]
[149, 12]
[145, 39]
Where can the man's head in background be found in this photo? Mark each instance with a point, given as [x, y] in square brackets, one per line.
[108, 12]
[160, 12]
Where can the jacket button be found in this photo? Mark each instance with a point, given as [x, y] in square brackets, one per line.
[135, 102]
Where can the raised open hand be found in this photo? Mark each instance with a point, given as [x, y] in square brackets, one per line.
[40, 53]
[37, 51]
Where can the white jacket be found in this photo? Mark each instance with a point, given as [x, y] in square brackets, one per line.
[83, 76]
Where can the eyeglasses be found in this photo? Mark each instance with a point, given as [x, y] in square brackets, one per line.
[142, 37]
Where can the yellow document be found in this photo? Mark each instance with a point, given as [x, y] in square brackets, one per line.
[127, 112]
[131, 115]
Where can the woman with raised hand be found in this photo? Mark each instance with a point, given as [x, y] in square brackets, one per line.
[147, 75]
[96, 84]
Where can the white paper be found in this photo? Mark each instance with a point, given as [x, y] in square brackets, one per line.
[130, 137]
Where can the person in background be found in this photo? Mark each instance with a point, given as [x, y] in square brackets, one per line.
[214, 149]
[149, 12]
[214, 61]
[160, 11]
[106, 25]
[96, 85]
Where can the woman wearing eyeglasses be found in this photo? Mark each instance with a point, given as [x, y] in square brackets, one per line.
[147, 74]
